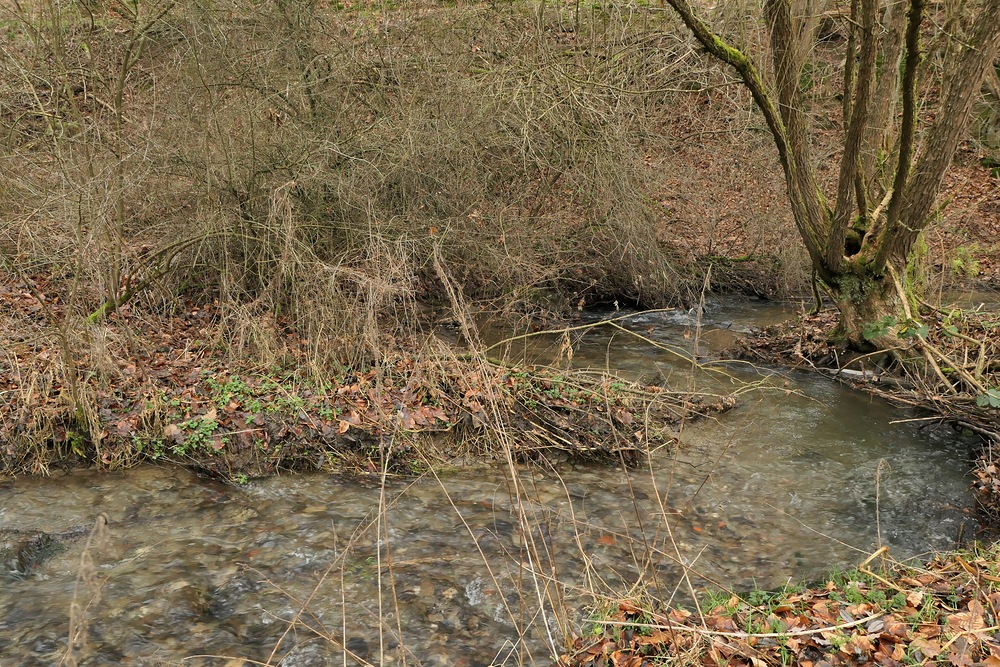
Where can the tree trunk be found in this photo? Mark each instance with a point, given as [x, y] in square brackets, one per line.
[864, 301]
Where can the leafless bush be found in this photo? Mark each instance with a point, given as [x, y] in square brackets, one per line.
[292, 160]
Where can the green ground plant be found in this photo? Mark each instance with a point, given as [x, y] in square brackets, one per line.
[964, 263]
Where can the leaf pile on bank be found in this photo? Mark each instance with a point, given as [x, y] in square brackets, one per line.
[173, 394]
[947, 613]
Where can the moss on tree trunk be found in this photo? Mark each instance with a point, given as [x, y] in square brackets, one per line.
[864, 300]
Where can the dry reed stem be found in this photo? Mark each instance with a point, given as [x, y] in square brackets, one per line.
[86, 593]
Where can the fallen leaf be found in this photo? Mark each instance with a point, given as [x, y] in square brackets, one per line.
[679, 615]
[622, 659]
[969, 621]
[656, 638]
[929, 629]
[960, 655]
[859, 644]
[928, 647]
[896, 628]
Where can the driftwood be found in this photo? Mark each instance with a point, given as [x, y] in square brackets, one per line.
[873, 377]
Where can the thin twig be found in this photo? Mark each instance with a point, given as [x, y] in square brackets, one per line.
[739, 635]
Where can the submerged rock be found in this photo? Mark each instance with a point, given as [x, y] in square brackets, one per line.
[22, 552]
[312, 654]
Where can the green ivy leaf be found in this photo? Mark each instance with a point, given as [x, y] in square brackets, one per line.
[994, 397]
[990, 398]
[914, 329]
[878, 328]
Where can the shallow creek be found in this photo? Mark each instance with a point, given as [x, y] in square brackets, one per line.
[802, 477]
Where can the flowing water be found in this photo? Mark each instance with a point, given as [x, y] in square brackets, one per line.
[482, 565]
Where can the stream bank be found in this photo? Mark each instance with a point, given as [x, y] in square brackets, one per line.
[883, 613]
[165, 388]
[481, 565]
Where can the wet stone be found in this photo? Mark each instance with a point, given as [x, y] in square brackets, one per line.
[46, 646]
[224, 600]
[358, 646]
[23, 553]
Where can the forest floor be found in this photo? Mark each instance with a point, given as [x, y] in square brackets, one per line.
[944, 612]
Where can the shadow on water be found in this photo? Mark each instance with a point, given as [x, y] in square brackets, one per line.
[801, 477]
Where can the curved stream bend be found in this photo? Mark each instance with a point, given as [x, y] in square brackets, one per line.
[797, 480]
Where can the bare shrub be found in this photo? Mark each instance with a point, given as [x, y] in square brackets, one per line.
[306, 162]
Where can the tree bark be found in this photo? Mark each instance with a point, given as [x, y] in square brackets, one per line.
[954, 115]
[863, 299]
[855, 121]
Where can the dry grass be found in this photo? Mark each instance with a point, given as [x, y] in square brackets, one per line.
[284, 158]
[309, 171]
[86, 594]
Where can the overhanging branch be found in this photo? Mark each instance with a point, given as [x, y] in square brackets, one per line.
[743, 66]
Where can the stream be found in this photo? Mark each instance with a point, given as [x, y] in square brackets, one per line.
[481, 565]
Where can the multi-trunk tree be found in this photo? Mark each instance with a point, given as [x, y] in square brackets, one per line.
[860, 236]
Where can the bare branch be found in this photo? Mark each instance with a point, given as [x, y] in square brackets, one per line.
[808, 205]
[852, 51]
[907, 129]
[881, 125]
[743, 66]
